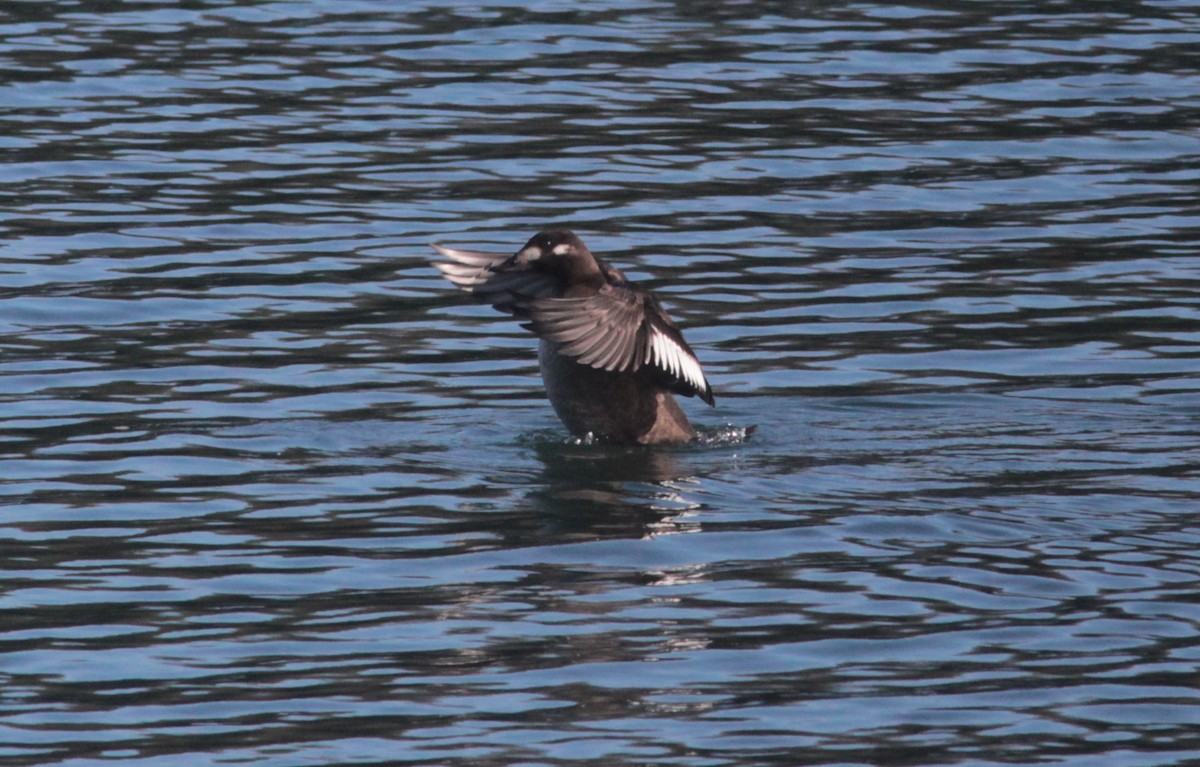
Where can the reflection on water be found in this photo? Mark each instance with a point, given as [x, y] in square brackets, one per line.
[273, 493]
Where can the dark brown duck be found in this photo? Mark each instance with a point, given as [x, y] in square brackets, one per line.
[610, 356]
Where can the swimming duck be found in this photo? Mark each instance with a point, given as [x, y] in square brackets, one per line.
[610, 356]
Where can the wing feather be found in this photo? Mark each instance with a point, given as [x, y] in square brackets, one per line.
[509, 291]
[620, 329]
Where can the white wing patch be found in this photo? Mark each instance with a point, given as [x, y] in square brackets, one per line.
[674, 359]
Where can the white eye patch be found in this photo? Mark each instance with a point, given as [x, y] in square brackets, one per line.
[562, 249]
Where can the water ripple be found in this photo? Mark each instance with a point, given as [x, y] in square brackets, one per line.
[273, 493]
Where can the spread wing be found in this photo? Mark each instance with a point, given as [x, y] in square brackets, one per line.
[509, 291]
[620, 329]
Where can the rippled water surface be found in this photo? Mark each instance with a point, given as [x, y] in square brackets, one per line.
[274, 493]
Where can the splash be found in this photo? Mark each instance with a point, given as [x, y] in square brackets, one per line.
[718, 437]
[586, 439]
[724, 435]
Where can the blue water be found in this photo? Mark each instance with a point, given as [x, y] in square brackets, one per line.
[273, 492]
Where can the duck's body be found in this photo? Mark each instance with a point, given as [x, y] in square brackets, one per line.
[623, 407]
[609, 355]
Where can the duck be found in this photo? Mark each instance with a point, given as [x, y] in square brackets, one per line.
[610, 357]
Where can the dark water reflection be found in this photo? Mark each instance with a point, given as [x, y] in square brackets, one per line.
[272, 493]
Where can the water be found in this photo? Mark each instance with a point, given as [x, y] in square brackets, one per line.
[273, 493]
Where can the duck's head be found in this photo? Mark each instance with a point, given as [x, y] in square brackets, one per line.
[558, 252]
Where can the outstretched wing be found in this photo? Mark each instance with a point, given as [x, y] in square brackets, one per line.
[620, 329]
[509, 291]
